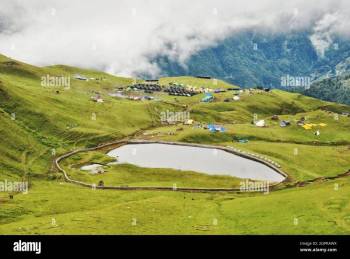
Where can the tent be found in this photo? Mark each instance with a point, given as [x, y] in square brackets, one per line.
[216, 128]
[284, 123]
[307, 126]
[208, 97]
[260, 123]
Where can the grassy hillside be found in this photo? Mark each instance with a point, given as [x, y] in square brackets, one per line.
[60, 208]
[21, 153]
[275, 142]
[37, 122]
[59, 118]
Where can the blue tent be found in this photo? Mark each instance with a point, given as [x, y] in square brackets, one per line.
[208, 97]
[215, 128]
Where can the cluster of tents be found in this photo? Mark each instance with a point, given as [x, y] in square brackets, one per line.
[302, 123]
[173, 89]
[285, 123]
[84, 78]
[149, 88]
[180, 91]
[309, 126]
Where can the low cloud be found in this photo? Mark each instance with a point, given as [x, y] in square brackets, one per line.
[324, 30]
[123, 37]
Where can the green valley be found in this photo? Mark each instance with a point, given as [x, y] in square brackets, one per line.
[38, 123]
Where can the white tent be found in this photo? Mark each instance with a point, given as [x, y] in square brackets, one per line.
[260, 123]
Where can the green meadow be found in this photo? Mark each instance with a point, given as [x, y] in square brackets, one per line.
[38, 123]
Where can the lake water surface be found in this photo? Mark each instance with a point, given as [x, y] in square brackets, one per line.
[199, 159]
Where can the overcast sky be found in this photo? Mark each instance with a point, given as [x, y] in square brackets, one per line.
[122, 36]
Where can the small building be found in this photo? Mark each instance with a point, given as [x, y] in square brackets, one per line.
[152, 82]
[204, 77]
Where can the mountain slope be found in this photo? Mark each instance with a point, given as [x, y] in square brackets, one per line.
[261, 59]
[336, 89]
[55, 117]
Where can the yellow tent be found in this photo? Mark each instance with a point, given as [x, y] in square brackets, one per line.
[307, 126]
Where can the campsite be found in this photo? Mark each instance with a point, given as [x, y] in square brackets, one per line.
[125, 123]
[76, 118]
